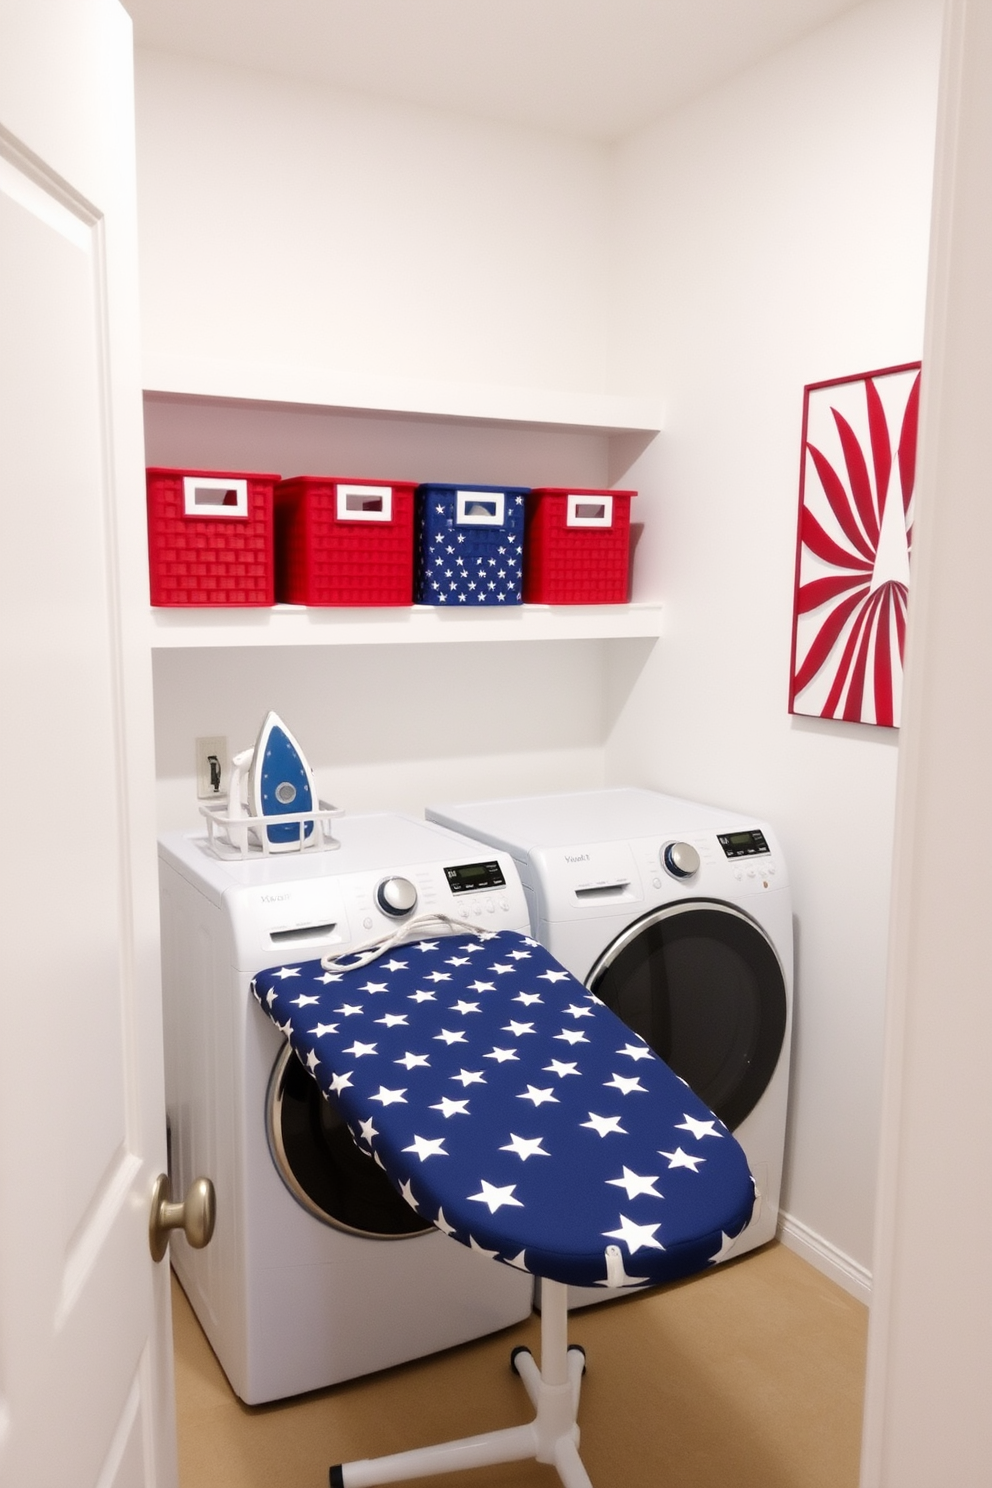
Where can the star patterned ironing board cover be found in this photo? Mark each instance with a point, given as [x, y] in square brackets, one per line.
[515, 1111]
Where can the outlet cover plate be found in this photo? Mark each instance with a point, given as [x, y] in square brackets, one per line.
[213, 768]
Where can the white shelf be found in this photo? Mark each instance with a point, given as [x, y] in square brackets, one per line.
[295, 625]
[322, 387]
[249, 385]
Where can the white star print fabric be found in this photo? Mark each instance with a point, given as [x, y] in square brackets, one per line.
[515, 1111]
[464, 557]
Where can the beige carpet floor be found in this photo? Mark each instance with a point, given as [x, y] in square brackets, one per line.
[749, 1376]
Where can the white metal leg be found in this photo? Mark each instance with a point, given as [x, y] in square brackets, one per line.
[552, 1436]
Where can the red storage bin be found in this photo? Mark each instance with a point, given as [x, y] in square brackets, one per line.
[210, 537]
[577, 546]
[344, 542]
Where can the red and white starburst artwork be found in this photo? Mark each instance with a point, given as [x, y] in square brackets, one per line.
[855, 538]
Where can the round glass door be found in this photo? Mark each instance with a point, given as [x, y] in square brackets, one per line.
[702, 984]
[321, 1164]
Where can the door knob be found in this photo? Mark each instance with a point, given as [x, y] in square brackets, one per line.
[195, 1216]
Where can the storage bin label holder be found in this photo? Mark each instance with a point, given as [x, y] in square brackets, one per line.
[480, 508]
[364, 503]
[589, 511]
[214, 496]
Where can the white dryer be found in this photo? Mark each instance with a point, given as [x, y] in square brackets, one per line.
[679, 917]
[318, 1271]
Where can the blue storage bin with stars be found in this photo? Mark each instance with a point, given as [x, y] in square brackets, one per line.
[470, 543]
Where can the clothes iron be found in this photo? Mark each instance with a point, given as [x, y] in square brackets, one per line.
[277, 781]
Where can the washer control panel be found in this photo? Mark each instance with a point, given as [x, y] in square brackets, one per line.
[468, 878]
[487, 892]
[297, 919]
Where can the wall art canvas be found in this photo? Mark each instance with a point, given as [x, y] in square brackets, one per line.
[853, 549]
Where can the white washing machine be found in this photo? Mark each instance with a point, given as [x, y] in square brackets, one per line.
[318, 1271]
[679, 917]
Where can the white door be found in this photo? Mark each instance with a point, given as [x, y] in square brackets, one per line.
[85, 1356]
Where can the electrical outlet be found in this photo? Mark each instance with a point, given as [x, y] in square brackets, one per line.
[213, 768]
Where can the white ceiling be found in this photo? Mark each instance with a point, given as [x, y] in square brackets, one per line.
[592, 68]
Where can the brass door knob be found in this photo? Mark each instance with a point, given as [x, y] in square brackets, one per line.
[195, 1216]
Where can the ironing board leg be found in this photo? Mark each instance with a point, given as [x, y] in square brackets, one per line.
[513, 1445]
[553, 1435]
[569, 1465]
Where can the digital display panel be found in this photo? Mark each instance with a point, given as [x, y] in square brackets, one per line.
[469, 876]
[743, 844]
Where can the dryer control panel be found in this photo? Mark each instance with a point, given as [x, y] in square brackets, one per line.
[730, 864]
[590, 879]
[749, 844]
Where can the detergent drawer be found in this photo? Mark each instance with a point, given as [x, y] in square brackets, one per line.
[588, 879]
[294, 921]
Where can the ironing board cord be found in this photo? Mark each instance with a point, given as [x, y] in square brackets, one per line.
[423, 925]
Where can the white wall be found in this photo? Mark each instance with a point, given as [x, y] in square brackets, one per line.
[775, 233]
[284, 222]
[296, 225]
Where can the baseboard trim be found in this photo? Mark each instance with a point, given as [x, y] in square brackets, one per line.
[849, 1274]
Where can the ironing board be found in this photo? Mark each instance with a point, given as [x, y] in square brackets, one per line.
[519, 1115]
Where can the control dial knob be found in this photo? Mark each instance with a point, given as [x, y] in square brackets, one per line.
[396, 896]
[681, 859]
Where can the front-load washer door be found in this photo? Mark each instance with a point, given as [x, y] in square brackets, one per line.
[321, 1165]
[701, 983]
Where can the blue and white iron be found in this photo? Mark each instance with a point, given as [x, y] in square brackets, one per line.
[279, 783]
